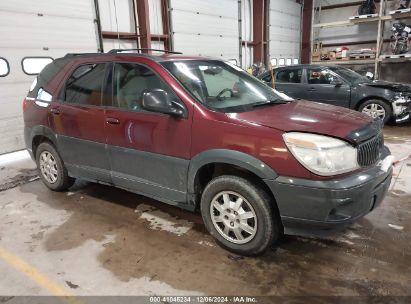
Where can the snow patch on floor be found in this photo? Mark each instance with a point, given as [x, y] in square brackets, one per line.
[162, 221]
[13, 157]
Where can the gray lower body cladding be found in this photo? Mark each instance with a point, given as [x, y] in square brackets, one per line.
[329, 204]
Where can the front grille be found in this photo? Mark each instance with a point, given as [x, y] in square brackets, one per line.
[369, 151]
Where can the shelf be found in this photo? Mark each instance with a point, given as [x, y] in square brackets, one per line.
[344, 62]
[395, 58]
[400, 14]
[354, 20]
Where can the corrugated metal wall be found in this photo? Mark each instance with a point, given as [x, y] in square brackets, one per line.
[285, 32]
[36, 28]
[208, 28]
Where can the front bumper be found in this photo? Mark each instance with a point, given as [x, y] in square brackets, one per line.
[402, 109]
[329, 205]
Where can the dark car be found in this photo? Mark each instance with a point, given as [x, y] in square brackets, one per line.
[204, 135]
[343, 87]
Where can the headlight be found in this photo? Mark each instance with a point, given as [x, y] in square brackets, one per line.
[320, 154]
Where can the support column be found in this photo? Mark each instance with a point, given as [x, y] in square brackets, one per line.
[144, 23]
[306, 35]
[259, 28]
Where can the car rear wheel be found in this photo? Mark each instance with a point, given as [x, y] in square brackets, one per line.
[52, 171]
[376, 109]
[240, 215]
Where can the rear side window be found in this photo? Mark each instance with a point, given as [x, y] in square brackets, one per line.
[34, 65]
[4, 67]
[291, 76]
[40, 83]
[85, 85]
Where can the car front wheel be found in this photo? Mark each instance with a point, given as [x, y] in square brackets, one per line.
[240, 215]
[376, 109]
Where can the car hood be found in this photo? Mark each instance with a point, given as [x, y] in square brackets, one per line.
[396, 87]
[307, 116]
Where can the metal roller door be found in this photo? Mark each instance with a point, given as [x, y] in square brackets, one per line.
[206, 28]
[284, 32]
[42, 28]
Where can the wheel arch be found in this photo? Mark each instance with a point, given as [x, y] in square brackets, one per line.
[41, 134]
[361, 101]
[207, 165]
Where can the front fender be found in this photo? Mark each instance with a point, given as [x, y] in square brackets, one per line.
[231, 157]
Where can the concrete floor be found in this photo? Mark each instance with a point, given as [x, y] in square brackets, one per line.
[98, 240]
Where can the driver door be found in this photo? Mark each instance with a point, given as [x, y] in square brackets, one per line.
[149, 152]
[323, 85]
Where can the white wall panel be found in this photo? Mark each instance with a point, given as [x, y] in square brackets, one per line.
[46, 28]
[124, 21]
[109, 44]
[285, 29]
[156, 21]
[207, 28]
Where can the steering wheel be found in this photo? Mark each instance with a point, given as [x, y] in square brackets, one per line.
[219, 95]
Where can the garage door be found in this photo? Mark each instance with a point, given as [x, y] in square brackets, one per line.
[285, 31]
[41, 28]
[206, 27]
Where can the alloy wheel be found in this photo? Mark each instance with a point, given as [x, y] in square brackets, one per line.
[374, 110]
[48, 167]
[233, 217]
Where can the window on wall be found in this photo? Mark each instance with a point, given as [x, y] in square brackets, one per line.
[295, 61]
[273, 62]
[34, 65]
[281, 61]
[289, 61]
[85, 85]
[4, 67]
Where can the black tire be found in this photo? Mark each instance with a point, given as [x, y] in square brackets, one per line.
[268, 227]
[63, 180]
[381, 103]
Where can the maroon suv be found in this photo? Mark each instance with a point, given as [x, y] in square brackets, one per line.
[204, 135]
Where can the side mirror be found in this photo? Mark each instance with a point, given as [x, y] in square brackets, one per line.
[336, 82]
[369, 75]
[159, 101]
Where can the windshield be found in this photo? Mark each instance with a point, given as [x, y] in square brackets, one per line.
[350, 75]
[223, 86]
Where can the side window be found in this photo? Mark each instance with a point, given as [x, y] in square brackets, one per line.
[85, 85]
[289, 75]
[130, 81]
[4, 67]
[34, 65]
[320, 76]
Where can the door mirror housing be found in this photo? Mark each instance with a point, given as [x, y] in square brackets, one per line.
[369, 75]
[159, 101]
[336, 82]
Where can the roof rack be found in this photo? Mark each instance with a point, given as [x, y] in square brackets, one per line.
[80, 54]
[113, 51]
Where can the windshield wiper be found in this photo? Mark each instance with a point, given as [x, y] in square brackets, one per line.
[269, 102]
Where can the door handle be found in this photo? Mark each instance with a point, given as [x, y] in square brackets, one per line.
[112, 121]
[55, 111]
[311, 89]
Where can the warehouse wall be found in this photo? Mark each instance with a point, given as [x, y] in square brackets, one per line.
[47, 29]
